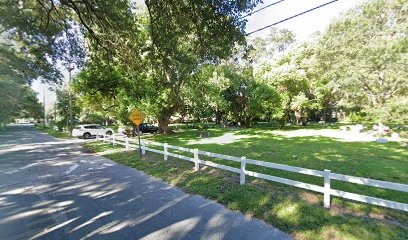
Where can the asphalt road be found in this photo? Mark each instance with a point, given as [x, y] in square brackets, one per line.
[54, 189]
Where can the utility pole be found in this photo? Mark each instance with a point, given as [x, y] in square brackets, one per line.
[45, 117]
[55, 108]
[55, 112]
[71, 124]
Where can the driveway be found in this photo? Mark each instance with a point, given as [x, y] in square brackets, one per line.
[54, 189]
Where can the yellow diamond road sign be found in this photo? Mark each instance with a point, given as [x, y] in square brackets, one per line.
[137, 117]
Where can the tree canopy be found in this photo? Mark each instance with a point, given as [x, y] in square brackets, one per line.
[192, 59]
[17, 99]
[364, 55]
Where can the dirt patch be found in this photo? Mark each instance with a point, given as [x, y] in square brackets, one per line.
[310, 198]
[337, 210]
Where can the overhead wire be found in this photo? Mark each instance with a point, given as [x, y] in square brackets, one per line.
[258, 10]
[297, 15]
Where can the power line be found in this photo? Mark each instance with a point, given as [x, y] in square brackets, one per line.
[286, 19]
[262, 8]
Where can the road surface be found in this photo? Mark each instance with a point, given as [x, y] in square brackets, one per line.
[54, 189]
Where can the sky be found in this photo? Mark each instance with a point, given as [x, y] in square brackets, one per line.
[50, 96]
[303, 26]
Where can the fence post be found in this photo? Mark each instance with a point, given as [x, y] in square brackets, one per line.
[113, 140]
[242, 173]
[165, 146]
[196, 163]
[97, 138]
[127, 143]
[326, 188]
[143, 147]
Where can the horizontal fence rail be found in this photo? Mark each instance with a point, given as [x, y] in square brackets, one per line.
[370, 182]
[327, 175]
[287, 168]
[286, 181]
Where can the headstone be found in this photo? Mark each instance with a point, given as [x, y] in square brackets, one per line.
[395, 136]
[381, 140]
[357, 128]
[121, 130]
[343, 128]
[204, 134]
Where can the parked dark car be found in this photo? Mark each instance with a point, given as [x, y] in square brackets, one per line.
[148, 128]
[144, 128]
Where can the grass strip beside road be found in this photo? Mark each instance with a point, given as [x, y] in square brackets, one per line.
[54, 133]
[290, 209]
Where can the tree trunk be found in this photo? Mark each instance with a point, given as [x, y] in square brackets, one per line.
[133, 130]
[218, 116]
[285, 116]
[217, 120]
[298, 116]
[324, 114]
[248, 122]
[304, 118]
[283, 120]
[164, 124]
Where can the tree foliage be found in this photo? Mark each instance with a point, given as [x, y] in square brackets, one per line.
[62, 108]
[17, 99]
[366, 64]
[178, 38]
[192, 59]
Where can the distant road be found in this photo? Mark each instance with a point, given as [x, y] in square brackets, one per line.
[54, 189]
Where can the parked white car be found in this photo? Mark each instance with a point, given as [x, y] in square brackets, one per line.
[89, 130]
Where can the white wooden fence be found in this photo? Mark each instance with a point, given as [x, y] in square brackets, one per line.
[327, 175]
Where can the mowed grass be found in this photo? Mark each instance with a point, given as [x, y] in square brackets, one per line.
[387, 162]
[291, 209]
[54, 133]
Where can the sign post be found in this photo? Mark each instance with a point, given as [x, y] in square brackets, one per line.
[138, 137]
[137, 118]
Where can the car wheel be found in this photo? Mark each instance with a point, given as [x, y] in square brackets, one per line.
[87, 135]
[109, 133]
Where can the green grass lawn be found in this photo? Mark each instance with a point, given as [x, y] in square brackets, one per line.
[293, 210]
[52, 132]
[387, 162]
